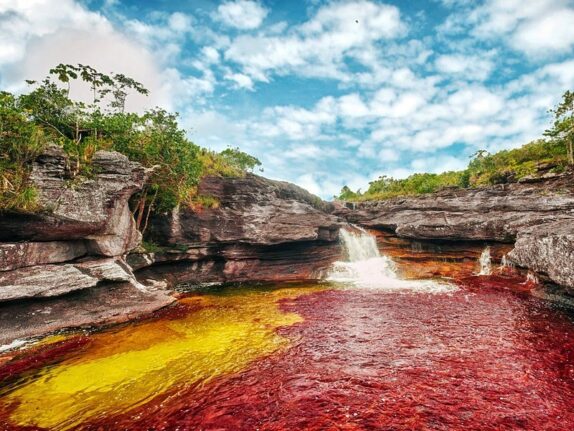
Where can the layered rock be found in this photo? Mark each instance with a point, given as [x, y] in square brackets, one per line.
[80, 217]
[538, 215]
[258, 230]
[549, 251]
[495, 213]
[94, 209]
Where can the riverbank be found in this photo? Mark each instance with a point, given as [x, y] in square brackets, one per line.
[80, 262]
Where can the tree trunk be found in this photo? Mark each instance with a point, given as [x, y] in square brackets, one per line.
[149, 208]
[140, 209]
[571, 150]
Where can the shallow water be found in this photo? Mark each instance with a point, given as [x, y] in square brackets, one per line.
[487, 356]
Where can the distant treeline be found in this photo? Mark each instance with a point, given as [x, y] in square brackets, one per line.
[550, 155]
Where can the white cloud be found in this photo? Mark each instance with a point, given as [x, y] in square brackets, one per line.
[464, 66]
[538, 28]
[179, 22]
[21, 21]
[318, 46]
[389, 155]
[553, 32]
[241, 80]
[242, 14]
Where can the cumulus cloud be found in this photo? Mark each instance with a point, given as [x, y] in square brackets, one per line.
[388, 102]
[242, 14]
[318, 46]
[23, 21]
[466, 66]
[538, 28]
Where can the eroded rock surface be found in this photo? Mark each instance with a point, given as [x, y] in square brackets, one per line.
[538, 215]
[93, 209]
[258, 230]
[495, 213]
[52, 280]
[79, 236]
[549, 251]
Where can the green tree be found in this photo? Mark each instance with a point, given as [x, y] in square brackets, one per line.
[563, 127]
[239, 159]
[347, 194]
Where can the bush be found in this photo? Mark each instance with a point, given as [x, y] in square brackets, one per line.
[483, 170]
[154, 139]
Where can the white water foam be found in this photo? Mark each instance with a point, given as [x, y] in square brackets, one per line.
[366, 268]
[485, 262]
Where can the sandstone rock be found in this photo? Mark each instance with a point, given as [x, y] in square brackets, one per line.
[494, 213]
[261, 230]
[94, 208]
[23, 254]
[538, 214]
[105, 304]
[53, 280]
[252, 210]
[549, 251]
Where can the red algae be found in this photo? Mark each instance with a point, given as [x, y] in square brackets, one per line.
[483, 358]
[486, 357]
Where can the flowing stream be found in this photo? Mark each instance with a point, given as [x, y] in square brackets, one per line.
[365, 267]
[364, 350]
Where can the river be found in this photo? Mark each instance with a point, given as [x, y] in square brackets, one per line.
[361, 351]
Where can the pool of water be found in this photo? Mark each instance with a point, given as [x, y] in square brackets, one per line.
[485, 356]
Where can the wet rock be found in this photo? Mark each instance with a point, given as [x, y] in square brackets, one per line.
[549, 251]
[105, 304]
[538, 214]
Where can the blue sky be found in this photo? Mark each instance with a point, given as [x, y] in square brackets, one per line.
[325, 93]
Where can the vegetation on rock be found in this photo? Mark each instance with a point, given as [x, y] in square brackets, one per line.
[47, 114]
[551, 155]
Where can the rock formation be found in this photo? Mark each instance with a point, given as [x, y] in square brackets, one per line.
[81, 233]
[72, 252]
[538, 215]
[258, 230]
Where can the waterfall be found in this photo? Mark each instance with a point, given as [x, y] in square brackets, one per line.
[365, 267]
[485, 262]
[505, 262]
[359, 245]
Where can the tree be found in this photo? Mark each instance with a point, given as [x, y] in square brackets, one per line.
[241, 160]
[347, 194]
[563, 128]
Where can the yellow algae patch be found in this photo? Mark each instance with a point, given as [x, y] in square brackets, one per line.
[127, 367]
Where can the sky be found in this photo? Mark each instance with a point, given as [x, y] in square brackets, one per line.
[324, 93]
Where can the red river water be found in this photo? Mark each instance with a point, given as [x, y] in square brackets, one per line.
[487, 356]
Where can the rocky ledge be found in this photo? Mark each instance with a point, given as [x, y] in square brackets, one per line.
[64, 265]
[72, 263]
[536, 216]
[256, 230]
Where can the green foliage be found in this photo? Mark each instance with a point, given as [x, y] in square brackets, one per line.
[347, 194]
[386, 187]
[239, 159]
[20, 142]
[48, 115]
[484, 169]
[151, 247]
[203, 201]
[512, 165]
[562, 130]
